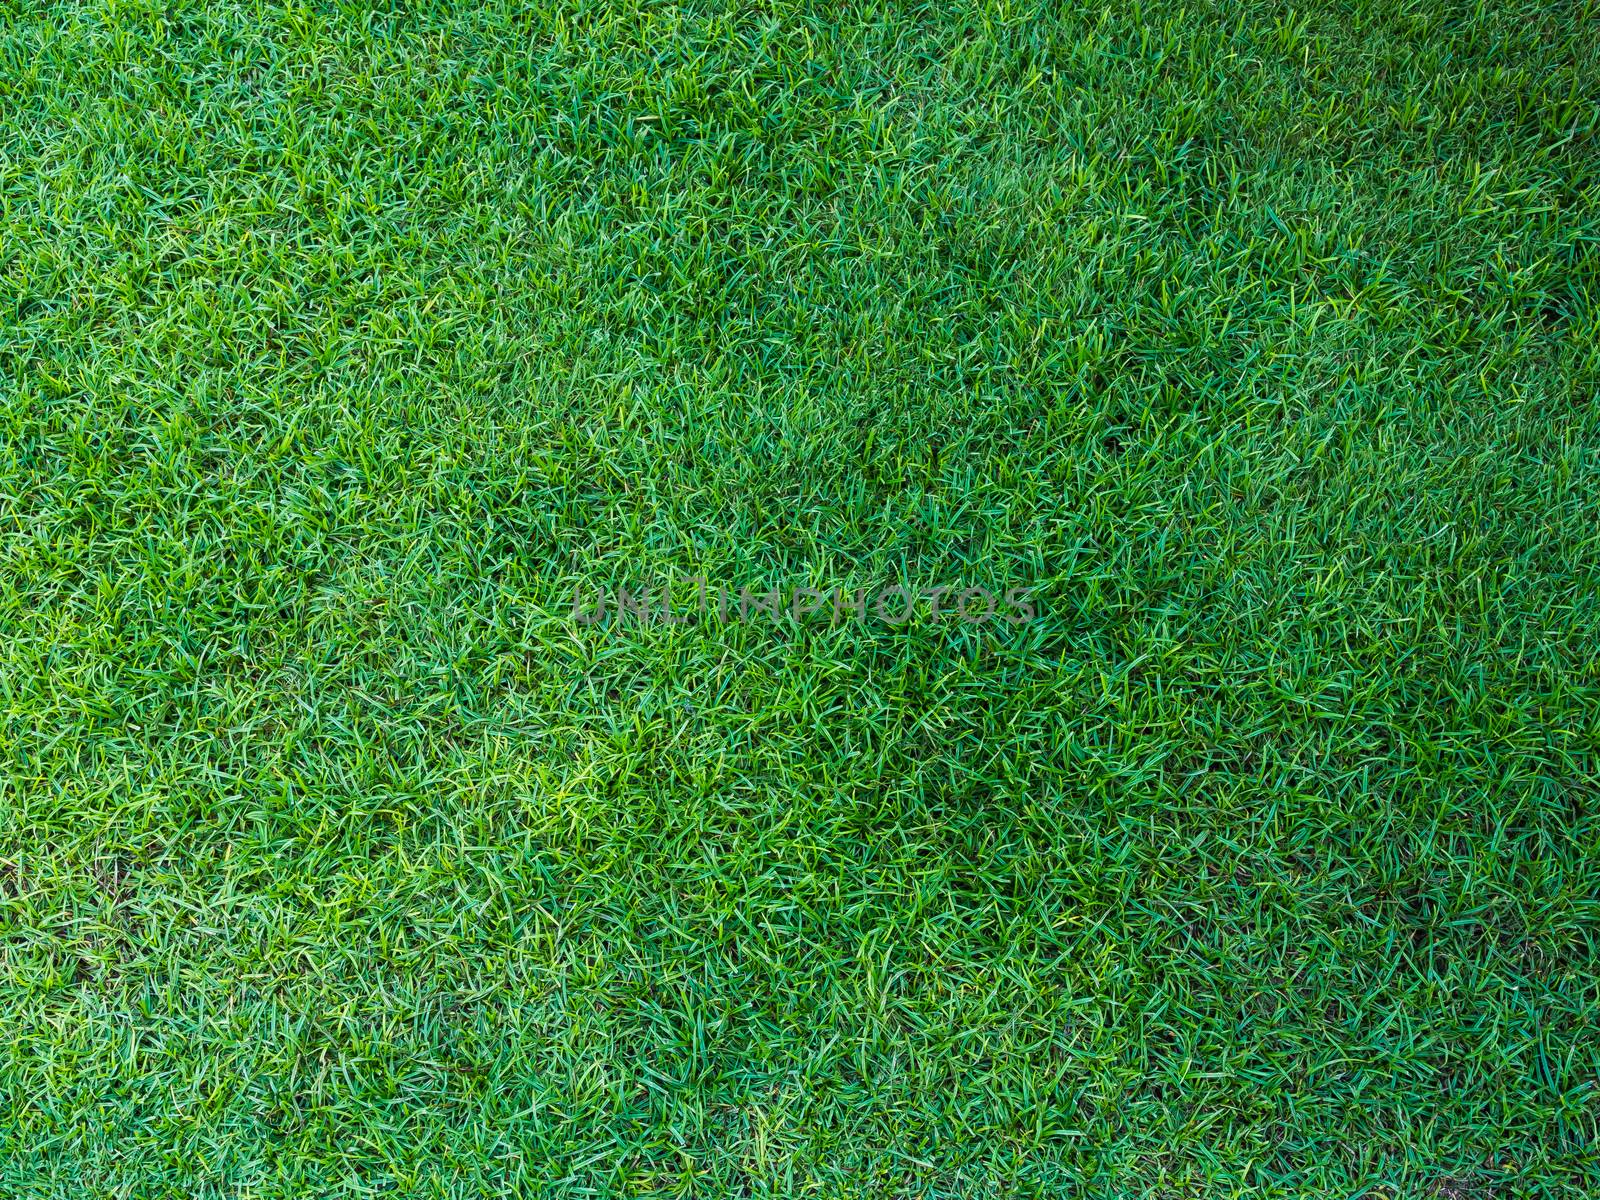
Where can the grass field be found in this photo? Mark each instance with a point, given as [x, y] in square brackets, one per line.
[341, 347]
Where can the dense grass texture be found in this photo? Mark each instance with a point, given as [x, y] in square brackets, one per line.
[339, 344]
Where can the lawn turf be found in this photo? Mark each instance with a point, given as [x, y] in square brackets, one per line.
[338, 345]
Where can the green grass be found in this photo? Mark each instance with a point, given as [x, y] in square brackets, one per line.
[337, 346]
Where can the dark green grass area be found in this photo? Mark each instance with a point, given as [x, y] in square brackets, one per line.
[338, 345]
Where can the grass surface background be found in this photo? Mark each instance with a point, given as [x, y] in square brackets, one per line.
[338, 344]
